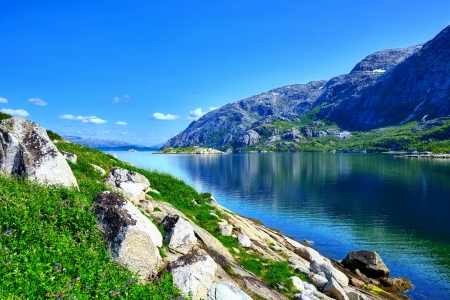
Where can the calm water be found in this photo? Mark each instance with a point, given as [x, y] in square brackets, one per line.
[342, 202]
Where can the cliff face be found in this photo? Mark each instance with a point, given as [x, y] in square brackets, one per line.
[418, 86]
[388, 87]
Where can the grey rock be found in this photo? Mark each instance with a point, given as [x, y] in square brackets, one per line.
[334, 290]
[319, 281]
[193, 273]
[180, 234]
[131, 238]
[224, 291]
[225, 229]
[133, 185]
[99, 169]
[297, 283]
[244, 241]
[305, 295]
[329, 271]
[146, 205]
[369, 263]
[26, 150]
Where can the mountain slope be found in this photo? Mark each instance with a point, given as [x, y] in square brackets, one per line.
[389, 87]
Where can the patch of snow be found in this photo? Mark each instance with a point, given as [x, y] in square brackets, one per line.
[379, 71]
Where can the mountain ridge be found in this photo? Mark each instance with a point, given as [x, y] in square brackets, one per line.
[387, 88]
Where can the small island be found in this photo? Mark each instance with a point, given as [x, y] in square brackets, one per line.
[190, 150]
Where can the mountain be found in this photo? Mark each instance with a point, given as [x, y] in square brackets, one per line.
[387, 88]
[109, 145]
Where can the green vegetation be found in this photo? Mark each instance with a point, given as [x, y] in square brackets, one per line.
[4, 116]
[54, 136]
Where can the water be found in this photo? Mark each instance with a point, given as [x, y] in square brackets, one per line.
[343, 202]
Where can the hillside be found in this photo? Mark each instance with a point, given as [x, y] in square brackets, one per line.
[388, 88]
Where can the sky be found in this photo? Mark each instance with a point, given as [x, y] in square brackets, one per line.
[141, 71]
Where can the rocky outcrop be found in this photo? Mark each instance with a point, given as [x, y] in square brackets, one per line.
[131, 238]
[133, 185]
[26, 150]
[194, 274]
[334, 290]
[367, 262]
[180, 234]
[225, 291]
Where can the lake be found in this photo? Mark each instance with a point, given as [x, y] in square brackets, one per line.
[342, 202]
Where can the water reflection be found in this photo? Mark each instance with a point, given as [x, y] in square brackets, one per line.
[343, 202]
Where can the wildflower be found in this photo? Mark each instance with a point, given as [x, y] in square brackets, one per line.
[129, 281]
[87, 287]
[56, 264]
[70, 286]
[6, 250]
[59, 298]
[7, 231]
[111, 292]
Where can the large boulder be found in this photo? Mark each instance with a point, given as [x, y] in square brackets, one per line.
[244, 241]
[180, 234]
[133, 185]
[368, 262]
[69, 156]
[131, 238]
[193, 273]
[309, 254]
[26, 150]
[224, 291]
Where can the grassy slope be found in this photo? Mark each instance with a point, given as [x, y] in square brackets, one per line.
[50, 245]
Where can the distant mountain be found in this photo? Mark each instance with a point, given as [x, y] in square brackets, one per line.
[109, 145]
[387, 88]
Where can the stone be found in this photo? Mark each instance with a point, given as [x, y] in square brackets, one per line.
[309, 254]
[395, 285]
[133, 185]
[224, 291]
[99, 169]
[193, 273]
[130, 237]
[158, 216]
[319, 281]
[236, 250]
[26, 150]
[334, 290]
[244, 241]
[356, 282]
[297, 284]
[329, 271]
[69, 156]
[354, 295]
[146, 205]
[309, 286]
[368, 263]
[180, 234]
[305, 295]
[225, 229]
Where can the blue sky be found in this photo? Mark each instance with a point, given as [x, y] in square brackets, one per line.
[140, 71]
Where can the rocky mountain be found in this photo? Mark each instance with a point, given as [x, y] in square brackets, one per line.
[386, 88]
[109, 145]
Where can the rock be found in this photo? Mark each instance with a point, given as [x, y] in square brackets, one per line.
[244, 241]
[309, 254]
[395, 285]
[305, 295]
[69, 156]
[333, 289]
[131, 238]
[329, 271]
[354, 295]
[261, 289]
[180, 234]
[236, 250]
[319, 281]
[297, 283]
[193, 273]
[158, 216]
[356, 282]
[26, 150]
[225, 229]
[99, 169]
[133, 185]
[309, 286]
[368, 262]
[146, 205]
[225, 291]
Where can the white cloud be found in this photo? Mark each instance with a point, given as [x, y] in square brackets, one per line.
[121, 123]
[91, 119]
[3, 100]
[124, 133]
[37, 101]
[168, 117]
[198, 113]
[15, 112]
[116, 99]
[127, 96]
